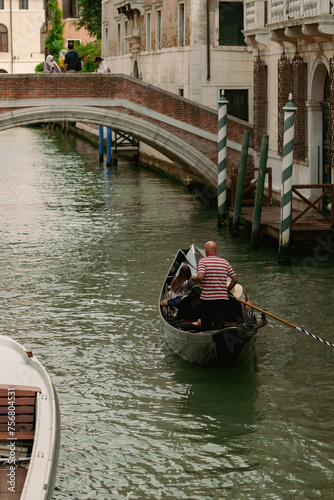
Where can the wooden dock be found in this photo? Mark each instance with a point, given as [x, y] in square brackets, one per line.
[305, 234]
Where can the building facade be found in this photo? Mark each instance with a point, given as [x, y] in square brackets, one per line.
[193, 48]
[70, 10]
[294, 47]
[20, 35]
[24, 28]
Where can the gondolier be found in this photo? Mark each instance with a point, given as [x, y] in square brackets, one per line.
[229, 346]
[212, 273]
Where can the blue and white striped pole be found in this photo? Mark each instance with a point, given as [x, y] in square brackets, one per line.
[222, 146]
[101, 142]
[286, 193]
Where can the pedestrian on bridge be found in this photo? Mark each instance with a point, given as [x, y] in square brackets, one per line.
[103, 68]
[70, 62]
[50, 65]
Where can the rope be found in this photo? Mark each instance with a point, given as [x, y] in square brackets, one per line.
[314, 336]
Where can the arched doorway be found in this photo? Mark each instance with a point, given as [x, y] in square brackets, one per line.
[319, 121]
[135, 70]
[320, 138]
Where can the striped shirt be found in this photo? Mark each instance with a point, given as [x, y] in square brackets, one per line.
[214, 284]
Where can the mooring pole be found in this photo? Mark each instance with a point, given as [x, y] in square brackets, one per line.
[240, 184]
[286, 193]
[222, 146]
[101, 142]
[255, 238]
[108, 146]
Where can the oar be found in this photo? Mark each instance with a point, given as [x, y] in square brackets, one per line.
[282, 321]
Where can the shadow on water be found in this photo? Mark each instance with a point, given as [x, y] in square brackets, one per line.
[223, 396]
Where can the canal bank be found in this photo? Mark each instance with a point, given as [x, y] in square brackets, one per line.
[141, 153]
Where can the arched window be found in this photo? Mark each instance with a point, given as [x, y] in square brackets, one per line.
[135, 70]
[3, 38]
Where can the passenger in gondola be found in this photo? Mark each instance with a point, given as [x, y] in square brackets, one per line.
[176, 292]
[212, 275]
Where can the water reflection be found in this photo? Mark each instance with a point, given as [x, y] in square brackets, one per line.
[84, 250]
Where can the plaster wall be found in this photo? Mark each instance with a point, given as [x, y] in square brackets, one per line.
[25, 43]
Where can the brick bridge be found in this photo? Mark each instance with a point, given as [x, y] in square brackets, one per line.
[180, 129]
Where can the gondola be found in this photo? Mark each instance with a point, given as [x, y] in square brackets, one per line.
[217, 348]
[29, 425]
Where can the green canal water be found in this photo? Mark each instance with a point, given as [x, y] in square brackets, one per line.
[84, 251]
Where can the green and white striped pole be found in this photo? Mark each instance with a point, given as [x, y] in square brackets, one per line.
[222, 146]
[286, 193]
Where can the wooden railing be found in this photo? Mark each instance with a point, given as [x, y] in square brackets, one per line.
[328, 190]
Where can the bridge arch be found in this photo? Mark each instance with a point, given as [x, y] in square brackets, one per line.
[170, 145]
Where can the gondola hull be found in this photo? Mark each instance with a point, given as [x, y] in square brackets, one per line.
[227, 347]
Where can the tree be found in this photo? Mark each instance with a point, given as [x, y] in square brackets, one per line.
[88, 52]
[90, 13]
[54, 42]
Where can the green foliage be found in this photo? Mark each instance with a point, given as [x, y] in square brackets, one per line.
[88, 52]
[90, 16]
[54, 42]
[40, 67]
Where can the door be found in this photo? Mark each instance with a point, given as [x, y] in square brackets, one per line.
[326, 171]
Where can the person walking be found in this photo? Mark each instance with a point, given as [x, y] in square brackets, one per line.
[212, 274]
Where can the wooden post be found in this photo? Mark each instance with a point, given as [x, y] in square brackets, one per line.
[286, 193]
[255, 238]
[240, 184]
[101, 142]
[222, 146]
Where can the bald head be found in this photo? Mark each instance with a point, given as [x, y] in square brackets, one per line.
[210, 248]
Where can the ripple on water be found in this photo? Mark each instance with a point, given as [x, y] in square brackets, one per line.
[84, 250]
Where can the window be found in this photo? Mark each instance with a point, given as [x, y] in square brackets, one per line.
[70, 9]
[237, 103]
[23, 4]
[148, 32]
[158, 29]
[3, 38]
[231, 22]
[106, 42]
[126, 48]
[2, 4]
[118, 39]
[181, 24]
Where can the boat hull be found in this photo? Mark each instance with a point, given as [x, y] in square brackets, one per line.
[29, 400]
[227, 347]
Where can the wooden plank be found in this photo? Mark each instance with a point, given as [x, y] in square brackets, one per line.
[18, 418]
[22, 401]
[20, 390]
[20, 436]
[18, 409]
[21, 425]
